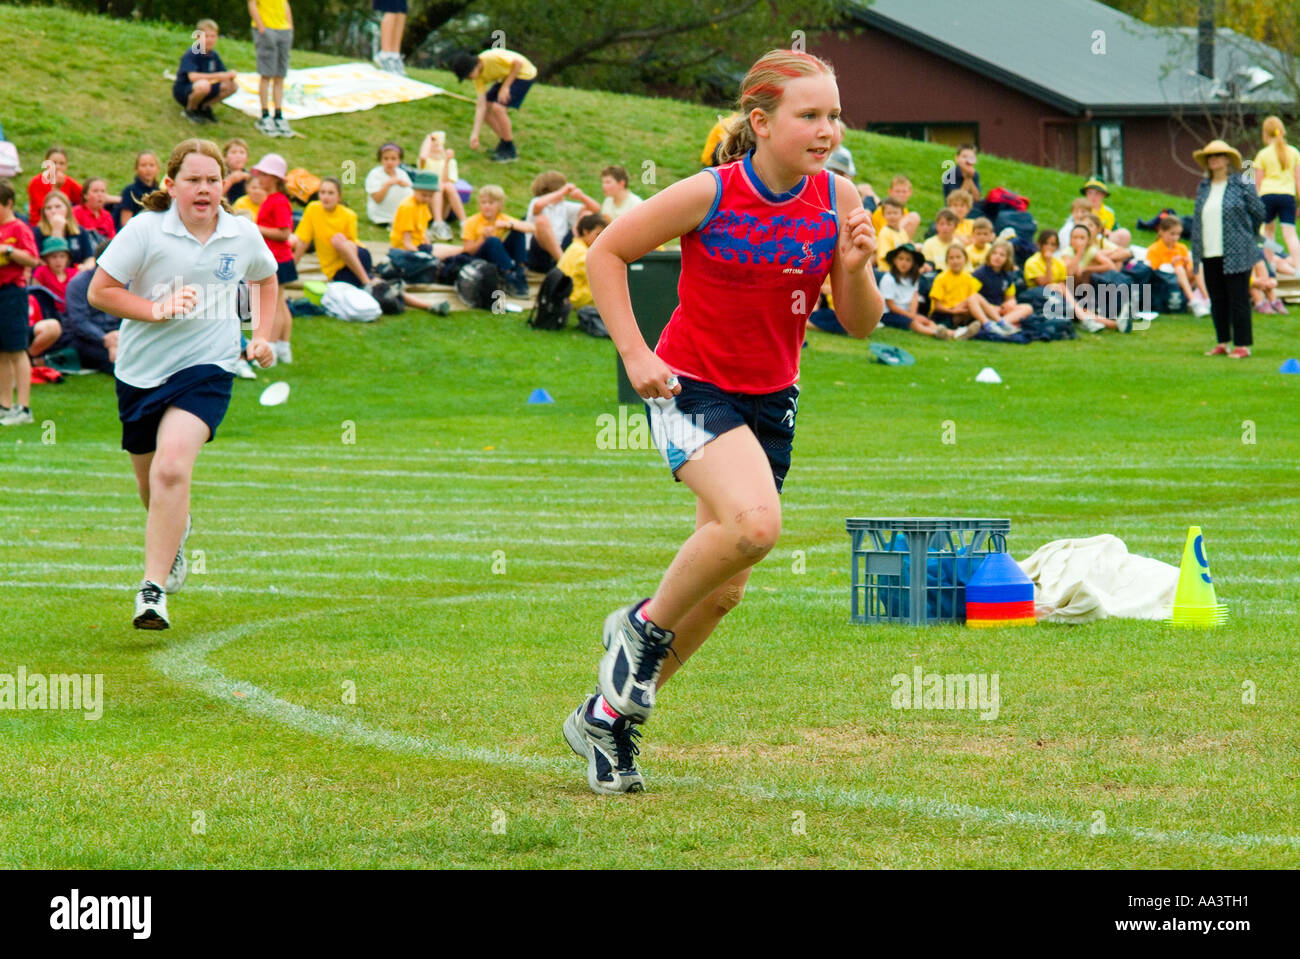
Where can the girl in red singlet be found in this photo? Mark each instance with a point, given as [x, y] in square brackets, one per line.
[760, 233]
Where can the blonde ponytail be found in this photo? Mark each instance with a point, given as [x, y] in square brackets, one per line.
[1275, 131]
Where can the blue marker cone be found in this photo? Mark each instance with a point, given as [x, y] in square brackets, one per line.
[540, 395]
[1290, 366]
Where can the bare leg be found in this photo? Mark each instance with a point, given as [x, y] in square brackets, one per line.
[201, 90]
[47, 333]
[1292, 245]
[1180, 271]
[180, 437]
[348, 250]
[22, 371]
[278, 88]
[733, 481]
[283, 318]
[499, 121]
[263, 90]
[437, 207]
[453, 200]
[8, 376]
[547, 239]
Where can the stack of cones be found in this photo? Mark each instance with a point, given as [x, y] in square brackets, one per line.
[1194, 602]
[999, 594]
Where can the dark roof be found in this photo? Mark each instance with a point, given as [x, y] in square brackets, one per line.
[1051, 51]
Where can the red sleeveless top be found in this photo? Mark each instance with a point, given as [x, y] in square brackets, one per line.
[751, 274]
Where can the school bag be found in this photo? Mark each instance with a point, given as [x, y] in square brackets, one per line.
[413, 266]
[389, 296]
[348, 302]
[1004, 197]
[552, 309]
[589, 322]
[9, 165]
[301, 185]
[1024, 225]
[477, 283]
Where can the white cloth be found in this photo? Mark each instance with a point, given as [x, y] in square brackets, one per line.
[613, 211]
[900, 291]
[383, 213]
[1081, 580]
[154, 255]
[563, 215]
[1212, 221]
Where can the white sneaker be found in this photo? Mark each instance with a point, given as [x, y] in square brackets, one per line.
[1092, 326]
[244, 369]
[441, 231]
[151, 607]
[17, 416]
[283, 352]
[266, 125]
[1200, 307]
[282, 127]
[395, 64]
[180, 566]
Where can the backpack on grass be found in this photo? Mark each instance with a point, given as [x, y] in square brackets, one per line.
[477, 283]
[552, 309]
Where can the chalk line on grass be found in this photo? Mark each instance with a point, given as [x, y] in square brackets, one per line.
[187, 663]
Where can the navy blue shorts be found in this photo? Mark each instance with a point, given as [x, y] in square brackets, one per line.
[14, 331]
[202, 390]
[286, 272]
[182, 91]
[896, 320]
[344, 274]
[388, 6]
[518, 90]
[1279, 205]
[701, 412]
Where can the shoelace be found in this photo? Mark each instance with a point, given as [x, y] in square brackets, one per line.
[651, 656]
[151, 593]
[625, 745]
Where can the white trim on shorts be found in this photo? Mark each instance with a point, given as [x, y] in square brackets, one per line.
[678, 436]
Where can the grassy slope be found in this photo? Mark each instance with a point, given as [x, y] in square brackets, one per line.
[129, 107]
[381, 553]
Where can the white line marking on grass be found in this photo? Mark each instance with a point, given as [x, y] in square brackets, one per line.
[187, 663]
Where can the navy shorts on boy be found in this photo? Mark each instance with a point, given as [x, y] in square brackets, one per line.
[388, 6]
[518, 90]
[286, 272]
[14, 335]
[201, 390]
[683, 425]
[195, 62]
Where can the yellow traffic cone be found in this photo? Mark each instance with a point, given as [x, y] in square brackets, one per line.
[1194, 601]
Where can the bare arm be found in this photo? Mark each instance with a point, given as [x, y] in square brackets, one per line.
[858, 304]
[21, 257]
[257, 17]
[111, 296]
[667, 215]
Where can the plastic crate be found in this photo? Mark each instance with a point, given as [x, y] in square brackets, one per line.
[915, 570]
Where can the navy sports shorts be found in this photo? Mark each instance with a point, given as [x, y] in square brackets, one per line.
[388, 6]
[286, 272]
[518, 90]
[202, 390]
[1279, 205]
[701, 412]
[14, 331]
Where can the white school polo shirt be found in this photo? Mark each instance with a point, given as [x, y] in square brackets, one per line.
[563, 215]
[155, 254]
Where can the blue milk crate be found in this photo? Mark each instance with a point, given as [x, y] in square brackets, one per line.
[929, 559]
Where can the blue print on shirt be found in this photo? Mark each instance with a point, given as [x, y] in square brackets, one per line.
[787, 241]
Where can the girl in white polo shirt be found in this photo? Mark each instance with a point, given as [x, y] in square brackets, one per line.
[173, 274]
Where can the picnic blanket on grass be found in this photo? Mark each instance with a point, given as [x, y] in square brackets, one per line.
[342, 88]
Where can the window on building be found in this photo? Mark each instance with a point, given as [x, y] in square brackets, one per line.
[1109, 157]
[950, 134]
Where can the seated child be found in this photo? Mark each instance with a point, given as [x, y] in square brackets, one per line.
[145, 182]
[387, 187]
[1095, 192]
[898, 287]
[437, 158]
[1263, 288]
[44, 331]
[553, 217]
[618, 198]
[900, 188]
[954, 298]
[997, 288]
[1079, 209]
[1046, 269]
[252, 200]
[1101, 240]
[332, 228]
[961, 202]
[92, 214]
[935, 249]
[574, 261]
[54, 272]
[1170, 256]
[57, 219]
[890, 235]
[412, 216]
[235, 184]
[493, 235]
[981, 242]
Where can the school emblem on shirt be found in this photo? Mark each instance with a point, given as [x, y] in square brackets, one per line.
[225, 267]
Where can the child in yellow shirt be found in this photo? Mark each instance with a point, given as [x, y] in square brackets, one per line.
[935, 249]
[892, 234]
[493, 235]
[573, 262]
[961, 203]
[955, 299]
[981, 242]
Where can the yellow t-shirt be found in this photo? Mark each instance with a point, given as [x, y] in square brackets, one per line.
[1107, 217]
[573, 264]
[274, 14]
[936, 251]
[1036, 266]
[435, 164]
[878, 217]
[978, 255]
[951, 289]
[886, 239]
[965, 228]
[1277, 178]
[412, 217]
[497, 63]
[476, 228]
[245, 205]
[317, 226]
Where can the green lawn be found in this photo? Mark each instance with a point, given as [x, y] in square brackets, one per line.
[372, 667]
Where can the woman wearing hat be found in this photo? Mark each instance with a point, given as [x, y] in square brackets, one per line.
[1227, 218]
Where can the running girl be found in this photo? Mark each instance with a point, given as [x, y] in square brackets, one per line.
[172, 274]
[759, 234]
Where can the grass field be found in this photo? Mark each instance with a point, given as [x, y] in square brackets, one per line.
[455, 561]
[401, 573]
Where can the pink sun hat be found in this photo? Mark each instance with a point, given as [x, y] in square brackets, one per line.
[272, 165]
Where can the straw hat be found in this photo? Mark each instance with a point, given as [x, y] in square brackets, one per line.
[1094, 184]
[1202, 156]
